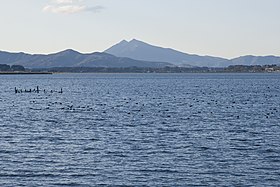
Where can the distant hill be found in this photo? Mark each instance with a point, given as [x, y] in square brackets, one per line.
[255, 60]
[142, 51]
[71, 58]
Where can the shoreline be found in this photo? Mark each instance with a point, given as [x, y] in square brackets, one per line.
[52, 73]
[25, 73]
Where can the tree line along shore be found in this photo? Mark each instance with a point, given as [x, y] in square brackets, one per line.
[18, 69]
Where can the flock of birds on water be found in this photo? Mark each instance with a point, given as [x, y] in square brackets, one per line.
[158, 104]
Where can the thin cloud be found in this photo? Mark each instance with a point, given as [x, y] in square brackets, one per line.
[66, 9]
[63, 1]
[70, 7]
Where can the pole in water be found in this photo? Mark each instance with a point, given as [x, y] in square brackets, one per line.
[15, 89]
[61, 90]
[37, 89]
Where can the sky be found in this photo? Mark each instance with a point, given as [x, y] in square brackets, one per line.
[224, 28]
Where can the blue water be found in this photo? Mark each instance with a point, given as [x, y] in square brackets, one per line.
[140, 129]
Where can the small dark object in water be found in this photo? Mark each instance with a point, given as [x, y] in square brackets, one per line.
[35, 90]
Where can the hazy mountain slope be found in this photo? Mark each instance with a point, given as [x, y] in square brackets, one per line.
[255, 60]
[10, 58]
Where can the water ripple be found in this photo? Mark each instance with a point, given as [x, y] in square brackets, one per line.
[141, 130]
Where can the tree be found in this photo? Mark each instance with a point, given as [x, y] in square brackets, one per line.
[17, 68]
[5, 67]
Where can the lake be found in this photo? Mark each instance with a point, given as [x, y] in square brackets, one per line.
[140, 130]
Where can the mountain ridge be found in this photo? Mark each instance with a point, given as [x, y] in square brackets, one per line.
[134, 53]
[139, 50]
[72, 58]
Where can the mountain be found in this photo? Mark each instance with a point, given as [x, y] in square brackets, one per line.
[255, 60]
[129, 54]
[142, 51]
[71, 58]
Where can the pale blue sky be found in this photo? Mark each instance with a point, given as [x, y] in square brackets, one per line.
[226, 28]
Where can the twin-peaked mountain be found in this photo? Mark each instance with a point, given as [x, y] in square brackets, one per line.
[129, 54]
[142, 51]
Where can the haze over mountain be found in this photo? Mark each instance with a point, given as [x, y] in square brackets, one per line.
[143, 51]
[71, 58]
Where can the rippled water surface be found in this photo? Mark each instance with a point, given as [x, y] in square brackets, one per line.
[140, 129]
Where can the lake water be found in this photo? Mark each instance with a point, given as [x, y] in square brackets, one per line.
[140, 129]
